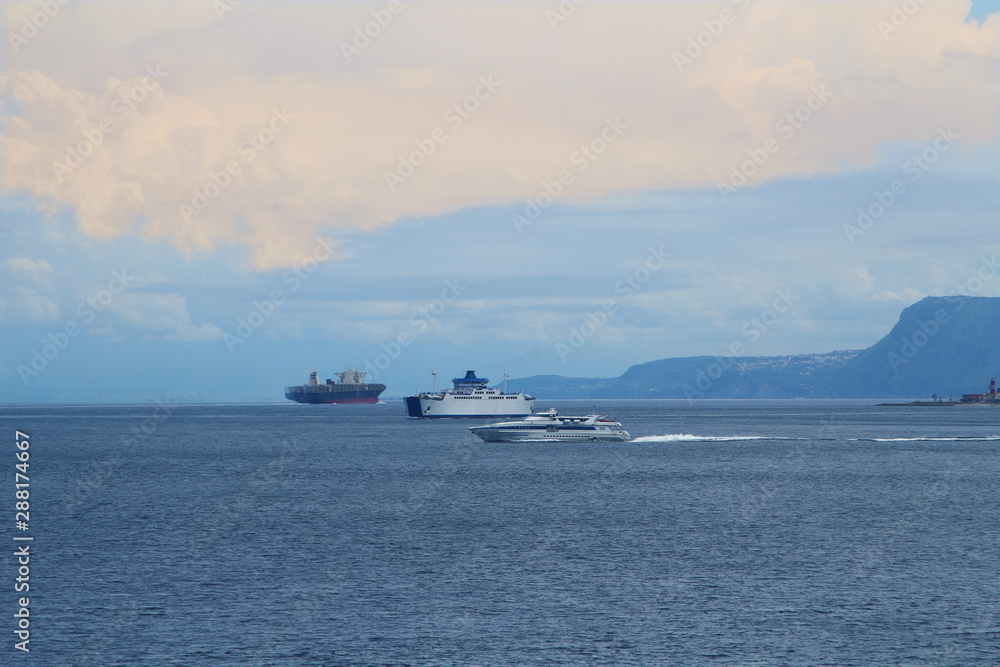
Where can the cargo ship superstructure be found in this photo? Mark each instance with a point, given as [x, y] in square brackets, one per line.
[470, 397]
[350, 389]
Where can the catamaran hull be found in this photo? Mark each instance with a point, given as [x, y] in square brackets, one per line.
[489, 435]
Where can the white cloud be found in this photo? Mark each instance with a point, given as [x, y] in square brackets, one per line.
[18, 301]
[167, 313]
[346, 124]
[32, 306]
[107, 331]
[29, 266]
[190, 333]
[906, 296]
[37, 270]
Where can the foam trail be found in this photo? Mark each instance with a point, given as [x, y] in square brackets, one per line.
[687, 437]
[954, 439]
[684, 437]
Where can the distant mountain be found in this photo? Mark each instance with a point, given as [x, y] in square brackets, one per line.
[941, 345]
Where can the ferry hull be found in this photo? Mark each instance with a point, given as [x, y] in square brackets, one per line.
[431, 408]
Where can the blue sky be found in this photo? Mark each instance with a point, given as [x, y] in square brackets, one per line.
[650, 223]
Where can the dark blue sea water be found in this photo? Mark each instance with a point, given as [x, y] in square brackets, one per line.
[729, 533]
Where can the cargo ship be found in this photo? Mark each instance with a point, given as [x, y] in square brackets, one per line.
[469, 397]
[350, 389]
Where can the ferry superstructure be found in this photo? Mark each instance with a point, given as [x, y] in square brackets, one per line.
[551, 426]
[469, 397]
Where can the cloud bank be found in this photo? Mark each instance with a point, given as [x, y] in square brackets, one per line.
[271, 124]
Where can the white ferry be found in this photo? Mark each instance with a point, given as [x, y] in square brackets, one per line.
[470, 397]
[549, 425]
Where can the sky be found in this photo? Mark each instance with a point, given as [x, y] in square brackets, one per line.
[209, 200]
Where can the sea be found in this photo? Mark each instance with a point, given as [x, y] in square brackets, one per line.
[726, 533]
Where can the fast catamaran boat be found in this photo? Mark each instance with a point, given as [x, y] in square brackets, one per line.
[550, 425]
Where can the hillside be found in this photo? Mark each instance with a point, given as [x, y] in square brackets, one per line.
[941, 345]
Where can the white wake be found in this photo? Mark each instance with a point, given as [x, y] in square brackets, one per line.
[686, 437]
[955, 439]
